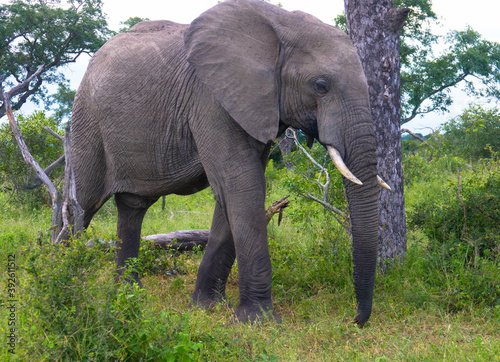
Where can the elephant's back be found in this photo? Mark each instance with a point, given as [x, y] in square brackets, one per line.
[132, 103]
[138, 55]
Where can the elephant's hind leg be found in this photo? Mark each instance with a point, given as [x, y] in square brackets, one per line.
[216, 263]
[131, 211]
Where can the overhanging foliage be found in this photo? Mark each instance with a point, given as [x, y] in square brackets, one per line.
[48, 33]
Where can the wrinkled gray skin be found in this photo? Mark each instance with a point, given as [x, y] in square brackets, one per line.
[170, 108]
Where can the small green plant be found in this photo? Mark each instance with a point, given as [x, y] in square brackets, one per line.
[156, 261]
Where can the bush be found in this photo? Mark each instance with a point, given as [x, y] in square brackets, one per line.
[15, 174]
[473, 134]
[462, 223]
[466, 213]
[77, 312]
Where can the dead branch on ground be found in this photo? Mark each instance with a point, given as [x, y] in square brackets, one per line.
[183, 240]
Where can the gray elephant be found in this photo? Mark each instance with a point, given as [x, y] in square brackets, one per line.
[169, 108]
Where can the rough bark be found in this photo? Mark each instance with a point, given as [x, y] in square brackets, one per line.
[374, 27]
[72, 212]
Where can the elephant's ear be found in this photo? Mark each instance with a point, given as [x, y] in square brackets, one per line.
[235, 51]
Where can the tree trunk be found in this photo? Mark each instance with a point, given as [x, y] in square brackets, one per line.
[374, 27]
[66, 212]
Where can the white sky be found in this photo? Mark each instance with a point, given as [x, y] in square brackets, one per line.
[482, 15]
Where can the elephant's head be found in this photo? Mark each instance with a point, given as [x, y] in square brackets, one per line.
[265, 65]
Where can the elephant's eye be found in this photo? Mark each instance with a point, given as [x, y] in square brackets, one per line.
[321, 86]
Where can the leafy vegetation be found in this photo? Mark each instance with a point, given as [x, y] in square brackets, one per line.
[49, 34]
[441, 302]
[473, 135]
[427, 76]
[457, 207]
[16, 176]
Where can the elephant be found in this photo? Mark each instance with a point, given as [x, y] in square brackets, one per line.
[168, 108]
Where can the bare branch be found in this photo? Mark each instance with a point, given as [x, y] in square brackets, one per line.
[22, 87]
[290, 133]
[18, 89]
[189, 239]
[337, 214]
[340, 216]
[56, 135]
[72, 212]
[37, 182]
[20, 140]
[404, 130]
[415, 111]
[277, 208]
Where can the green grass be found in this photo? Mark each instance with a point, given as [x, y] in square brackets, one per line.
[70, 309]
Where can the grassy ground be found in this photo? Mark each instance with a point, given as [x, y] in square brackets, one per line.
[68, 308]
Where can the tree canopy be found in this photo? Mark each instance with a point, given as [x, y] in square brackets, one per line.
[427, 76]
[49, 34]
[130, 22]
[468, 59]
[474, 134]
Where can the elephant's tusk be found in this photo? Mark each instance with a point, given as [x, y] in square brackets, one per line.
[383, 184]
[339, 163]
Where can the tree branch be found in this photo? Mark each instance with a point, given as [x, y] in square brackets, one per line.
[56, 135]
[189, 239]
[404, 130]
[20, 88]
[37, 182]
[340, 216]
[292, 134]
[395, 18]
[337, 214]
[415, 111]
[72, 212]
[19, 138]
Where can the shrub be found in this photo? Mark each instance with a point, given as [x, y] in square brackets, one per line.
[462, 223]
[77, 312]
[15, 174]
[468, 212]
[470, 134]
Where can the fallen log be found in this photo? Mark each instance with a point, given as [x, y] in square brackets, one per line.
[183, 240]
[180, 240]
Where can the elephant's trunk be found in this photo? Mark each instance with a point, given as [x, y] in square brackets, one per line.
[357, 148]
[360, 158]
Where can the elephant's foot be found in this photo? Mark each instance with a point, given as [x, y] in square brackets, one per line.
[207, 301]
[256, 314]
[127, 276]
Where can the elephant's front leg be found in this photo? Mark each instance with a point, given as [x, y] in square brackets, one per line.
[235, 171]
[246, 215]
[241, 195]
[216, 263]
